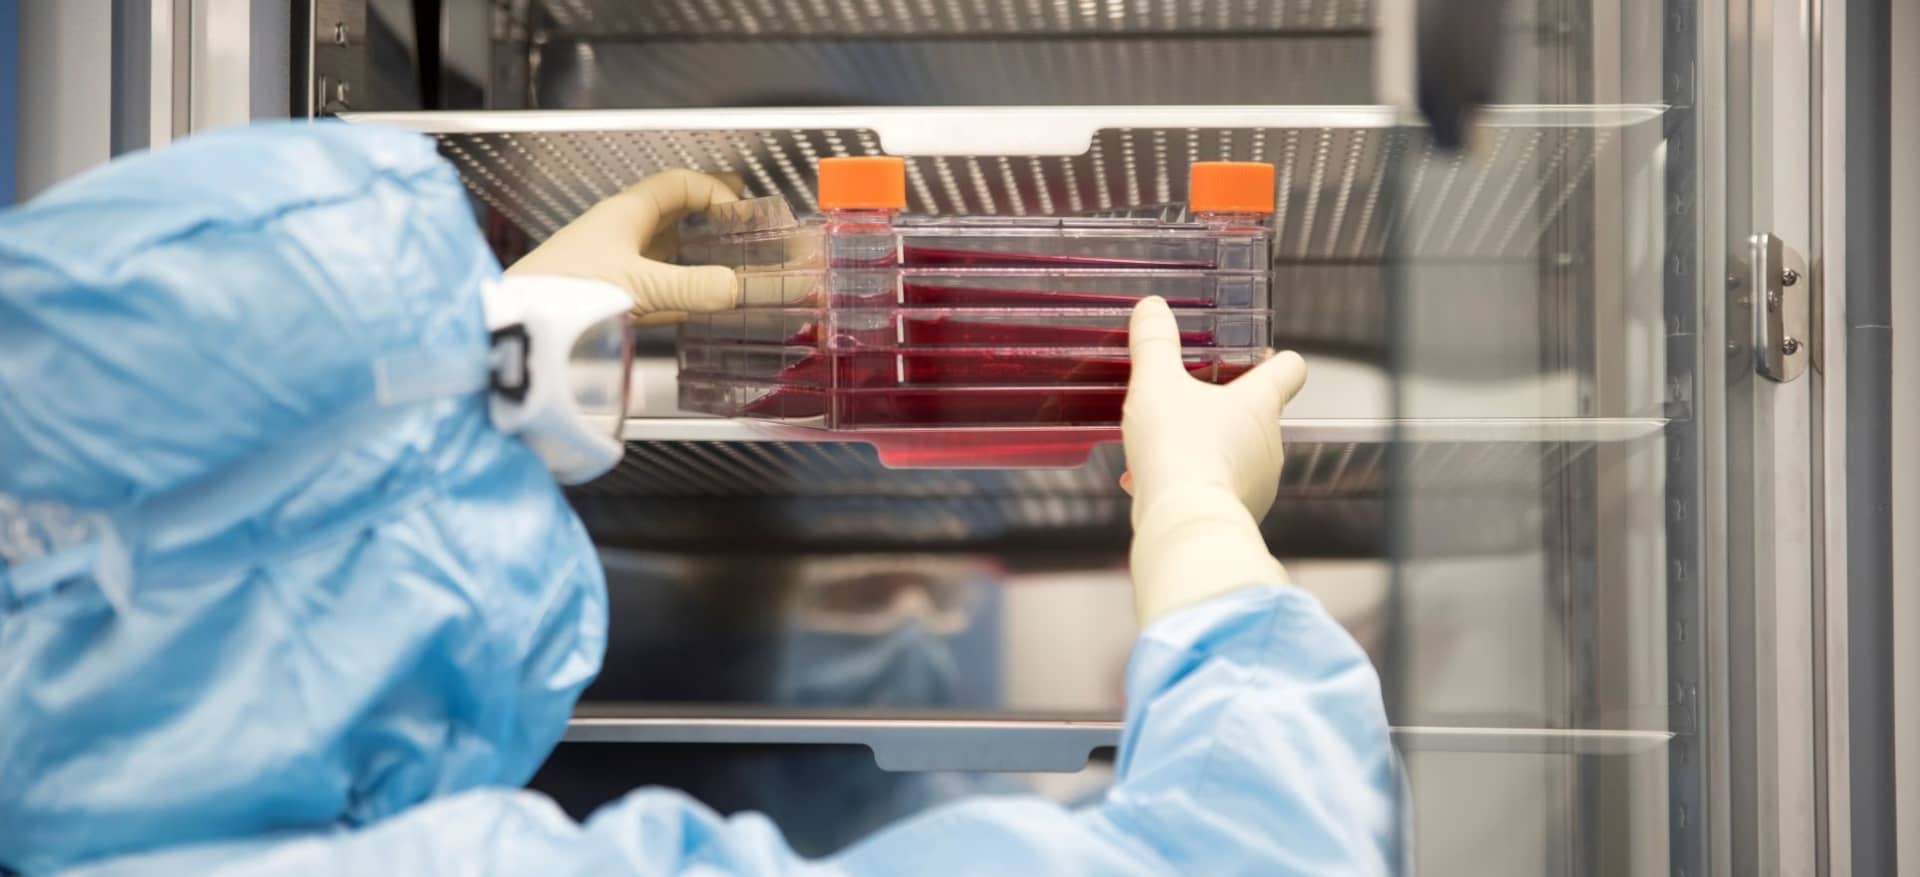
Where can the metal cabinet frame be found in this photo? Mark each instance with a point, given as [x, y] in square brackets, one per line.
[1780, 561]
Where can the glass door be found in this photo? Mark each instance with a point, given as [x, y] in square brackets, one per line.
[1605, 580]
[1546, 298]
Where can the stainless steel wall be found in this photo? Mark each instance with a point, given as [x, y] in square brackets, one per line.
[9, 79]
[184, 66]
[1906, 427]
[65, 92]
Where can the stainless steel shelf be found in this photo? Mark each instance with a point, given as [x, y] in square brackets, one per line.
[936, 18]
[1041, 745]
[902, 745]
[957, 69]
[695, 483]
[1535, 741]
[1299, 433]
[542, 168]
[716, 457]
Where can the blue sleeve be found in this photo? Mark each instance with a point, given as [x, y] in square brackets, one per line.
[1256, 744]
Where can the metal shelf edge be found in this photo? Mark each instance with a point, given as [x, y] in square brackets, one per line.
[897, 745]
[1356, 431]
[1538, 741]
[1015, 130]
[1003, 745]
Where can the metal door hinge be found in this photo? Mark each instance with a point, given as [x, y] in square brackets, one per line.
[1783, 338]
[339, 55]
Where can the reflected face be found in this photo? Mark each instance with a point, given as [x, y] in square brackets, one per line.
[878, 602]
[880, 636]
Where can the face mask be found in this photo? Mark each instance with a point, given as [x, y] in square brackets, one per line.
[909, 666]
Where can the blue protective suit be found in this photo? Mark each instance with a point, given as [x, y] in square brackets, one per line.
[275, 598]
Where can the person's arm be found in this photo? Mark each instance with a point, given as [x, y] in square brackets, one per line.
[1256, 741]
[1255, 744]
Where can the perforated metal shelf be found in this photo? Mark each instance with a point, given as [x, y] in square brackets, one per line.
[935, 18]
[1332, 68]
[695, 484]
[1464, 430]
[540, 169]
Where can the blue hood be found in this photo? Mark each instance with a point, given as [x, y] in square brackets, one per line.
[265, 565]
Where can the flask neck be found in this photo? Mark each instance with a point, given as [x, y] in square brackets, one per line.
[1234, 219]
[861, 216]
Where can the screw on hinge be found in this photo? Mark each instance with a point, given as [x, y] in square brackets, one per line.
[1789, 277]
[1790, 346]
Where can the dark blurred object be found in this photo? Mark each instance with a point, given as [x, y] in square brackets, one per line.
[693, 629]
[822, 797]
[1458, 63]
[417, 55]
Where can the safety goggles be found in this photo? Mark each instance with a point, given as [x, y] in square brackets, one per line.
[558, 369]
[873, 596]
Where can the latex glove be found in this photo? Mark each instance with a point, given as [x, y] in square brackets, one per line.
[1203, 465]
[624, 239]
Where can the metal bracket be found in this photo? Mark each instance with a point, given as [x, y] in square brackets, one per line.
[338, 55]
[1783, 336]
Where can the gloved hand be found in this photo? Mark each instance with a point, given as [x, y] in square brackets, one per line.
[1203, 465]
[623, 239]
